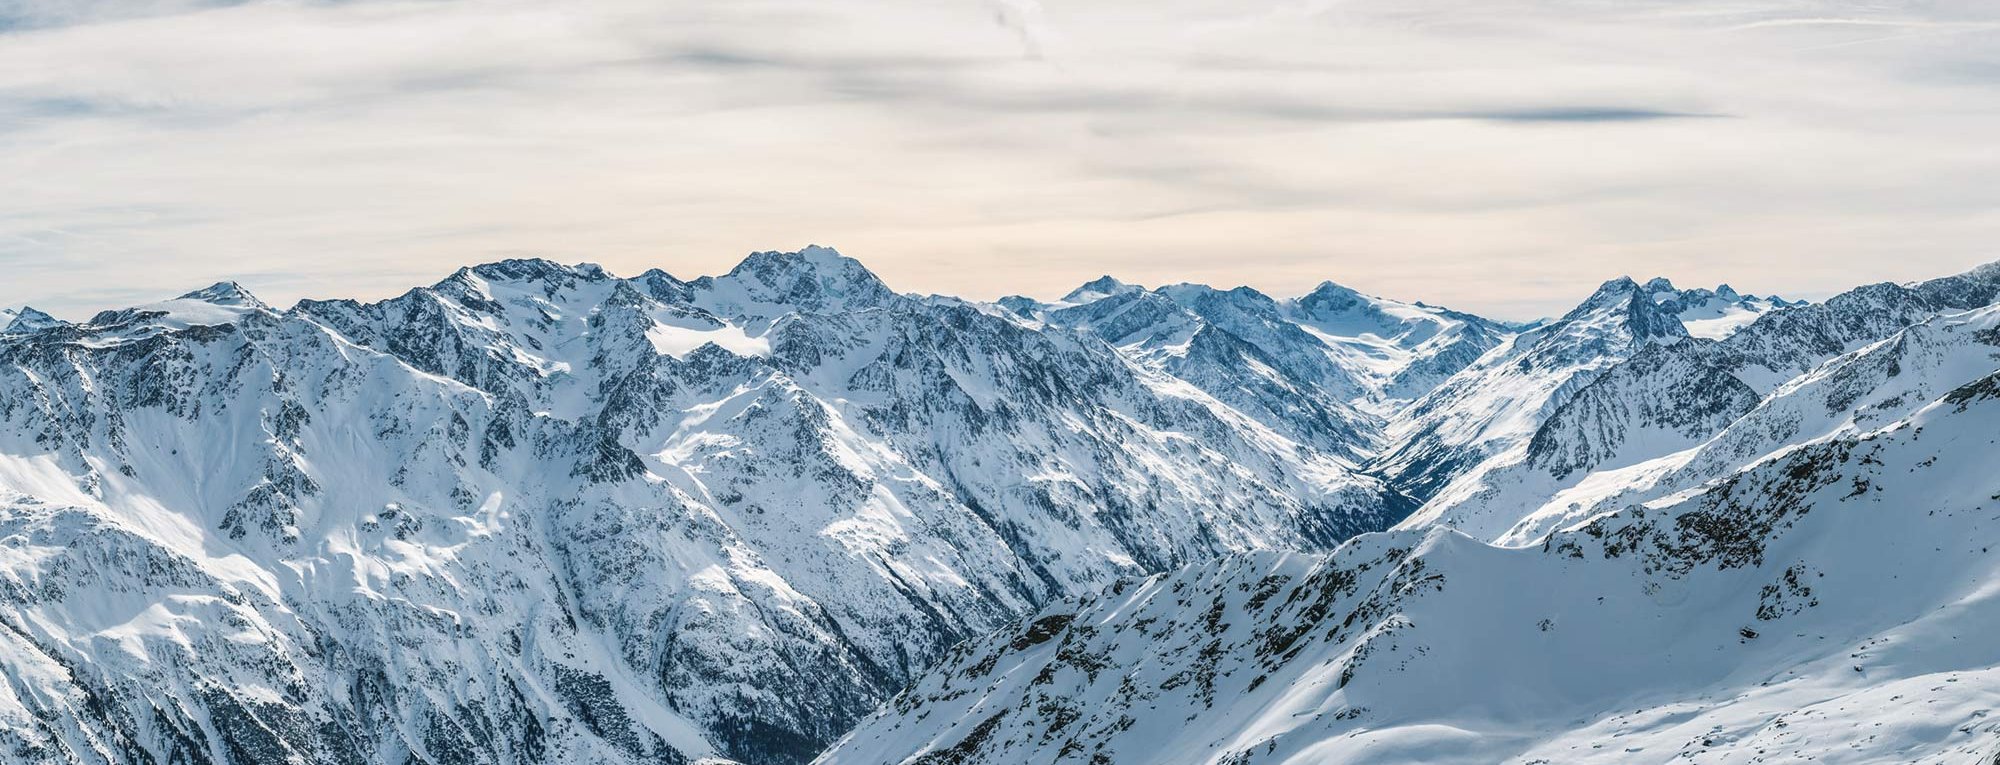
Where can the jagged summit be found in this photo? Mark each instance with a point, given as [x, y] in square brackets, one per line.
[813, 259]
[1611, 291]
[1658, 309]
[813, 279]
[662, 285]
[536, 269]
[1193, 291]
[1640, 310]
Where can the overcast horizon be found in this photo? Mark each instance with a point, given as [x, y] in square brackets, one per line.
[1502, 160]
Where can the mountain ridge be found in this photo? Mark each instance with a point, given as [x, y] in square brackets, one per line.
[1727, 626]
[580, 516]
[536, 512]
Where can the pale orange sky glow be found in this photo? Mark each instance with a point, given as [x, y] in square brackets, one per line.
[1495, 157]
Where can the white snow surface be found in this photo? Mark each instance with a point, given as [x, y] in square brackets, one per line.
[541, 513]
[1621, 433]
[1829, 606]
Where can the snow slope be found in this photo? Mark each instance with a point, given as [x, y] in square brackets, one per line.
[1328, 368]
[1852, 393]
[1671, 397]
[539, 513]
[1826, 605]
[1494, 405]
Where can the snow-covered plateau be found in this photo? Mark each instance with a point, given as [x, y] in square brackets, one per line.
[541, 513]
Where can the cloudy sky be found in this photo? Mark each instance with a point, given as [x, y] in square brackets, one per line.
[1500, 156]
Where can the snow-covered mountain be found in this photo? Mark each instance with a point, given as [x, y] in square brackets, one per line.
[1718, 313]
[538, 513]
[25, 320]
[1328, 368]
[1853, 393]
[1399, 351]
[542, 513]
[1494, 406]
[1669, 397]
[1828, 604]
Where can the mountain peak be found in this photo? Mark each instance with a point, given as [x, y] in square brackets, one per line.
[812, 256]
[1617, 285]
[1100, 287]
[1611, 292]
[1019, 305]
[535, 269]
[1329, 297]
[811, 279]
[662, 285]
[1638, 308]
[225, 292]
[30, 320]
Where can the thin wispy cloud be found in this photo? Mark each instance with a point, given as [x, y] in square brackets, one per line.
[1525, 150]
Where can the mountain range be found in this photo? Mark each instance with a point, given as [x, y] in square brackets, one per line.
[538, 512]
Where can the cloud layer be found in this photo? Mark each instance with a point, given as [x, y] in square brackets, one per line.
[1500, 156]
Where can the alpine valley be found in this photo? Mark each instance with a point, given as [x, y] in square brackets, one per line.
[541, 513]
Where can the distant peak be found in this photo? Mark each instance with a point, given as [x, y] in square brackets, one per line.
[1639, 310]
[1103, 286]
[31, 320]
[812, 256]
[1019, 305]
[1329, 296]
[1726, 291]
[813, 279]
[535, 269]
[662, 285]
[1207, 301]
[1611, 292]
[227, 293]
